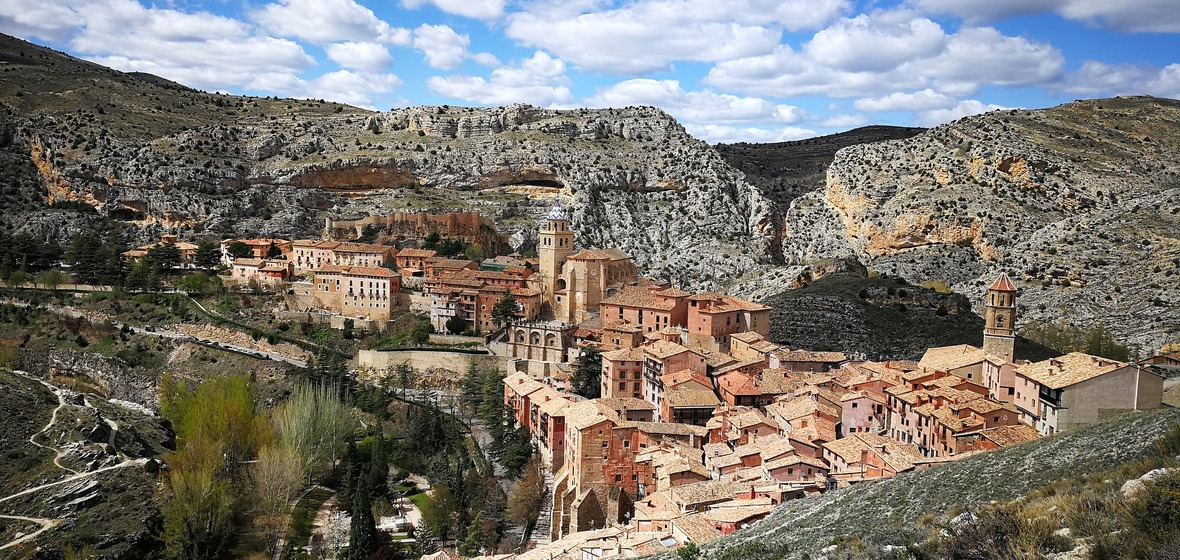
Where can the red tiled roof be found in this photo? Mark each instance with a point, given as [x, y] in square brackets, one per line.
[1003, 284]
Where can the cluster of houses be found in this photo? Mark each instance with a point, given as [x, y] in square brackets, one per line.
[704, 426]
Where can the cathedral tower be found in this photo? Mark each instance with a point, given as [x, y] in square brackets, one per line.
[555, 242]
[999, 332]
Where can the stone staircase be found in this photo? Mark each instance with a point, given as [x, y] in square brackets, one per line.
[543, 527]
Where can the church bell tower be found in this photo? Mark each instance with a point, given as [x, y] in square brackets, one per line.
[555, 242]
[999, 332]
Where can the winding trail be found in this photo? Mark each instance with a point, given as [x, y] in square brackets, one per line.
[61, 403]
[47, 524]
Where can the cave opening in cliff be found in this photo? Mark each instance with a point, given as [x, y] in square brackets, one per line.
[547, 183]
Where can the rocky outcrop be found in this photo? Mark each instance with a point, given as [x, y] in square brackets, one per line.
[109, 375]
[1079, 203]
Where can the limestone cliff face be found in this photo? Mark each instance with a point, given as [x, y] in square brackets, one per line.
[165, 157]
[1080, 203]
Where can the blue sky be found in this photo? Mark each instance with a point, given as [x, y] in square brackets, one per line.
[729, 70]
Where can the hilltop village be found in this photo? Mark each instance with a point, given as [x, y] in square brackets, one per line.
[701, 425]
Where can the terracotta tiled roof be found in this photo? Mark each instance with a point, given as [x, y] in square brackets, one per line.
[718, 359]
[1004, 436]
[672, 293]
[584, 415]
[625, 403]
[667, 428]
[662, 349]
[690, 397]
[698, 529]
[774, 446]
[954, 424]
[809, 356]
[704, 492]
[736, 514]
[522, 384]
[1003, 284]
[946, 358]
[790, 460]
[899, 456]
[363, 248]
[799, 407]
[424, 253]
[635, 296]
[683, 376]
[1070, 369]
[717, 450]
[370, 271]
[862, 394]
[749, 337]
[622, 326]
[253, 263]
[624, 355]
[591, 255]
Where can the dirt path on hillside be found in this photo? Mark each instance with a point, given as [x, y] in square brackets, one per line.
[47, 524]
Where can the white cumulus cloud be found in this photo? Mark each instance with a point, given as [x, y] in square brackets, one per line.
[715, 133]
[694, 106]
[540, 80]
[369, 57]
[1153, 16]
[443, 47]
[961, 109]
[476, 9]
[876, 43]
[892, 51]
[326, 21]
[647, 36]
[49, 21]
[900, 101]
[199, 49]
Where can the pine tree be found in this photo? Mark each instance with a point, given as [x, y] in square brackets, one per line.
[352, 473]
[379, 466]
[362, 538]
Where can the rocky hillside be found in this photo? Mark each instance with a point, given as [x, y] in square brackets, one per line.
[77, 474]
[1079, 203]
[141, 149]
[879, 318]
[784, 171]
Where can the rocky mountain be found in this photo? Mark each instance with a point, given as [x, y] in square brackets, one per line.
[1078, 203]
[879, 318]
[784, 171]
[163, 156]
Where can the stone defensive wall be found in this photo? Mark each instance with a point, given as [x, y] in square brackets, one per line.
[471, 227]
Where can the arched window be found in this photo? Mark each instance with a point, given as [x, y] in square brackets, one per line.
[561, 283]
[535, 338]
[520, 336]
[551, 340]
[999, 321]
